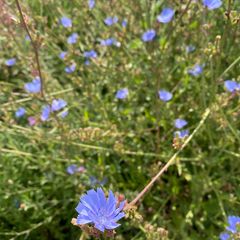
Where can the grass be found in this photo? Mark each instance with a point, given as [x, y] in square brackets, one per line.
[126, 141]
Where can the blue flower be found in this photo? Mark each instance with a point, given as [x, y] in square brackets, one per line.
[58, 104]
[149, 35]
[10, 62]
[90, 54]
[190, 48]
[74, 169]
[108, 42]
[224, 236]
[180, 123]
[110, 20]
[71, 169]
[64, 114]
[231, 86]
[27, 38]
[102, 212]
[165, 95]
[91, 4]
[233, 221]
[34, 86]
[20, 112]
[66, 22]
[71, 68]
[166, 15]
[196, 70]
[182, 133]
[72, 38]
[122, 93]
[62, 55]
[87, 62]
[94, 181]
[212, 4]
[124, 23]
[45, 113]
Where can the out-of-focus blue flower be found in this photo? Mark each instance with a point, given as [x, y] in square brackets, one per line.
[27, 38]
[124, 23]
[233, 221]
[166, 15]
[58, 104]
[96, 209]
[110, 20]
[180, 123]
[72, 169]
[10, 62]
[20, 112]
[94, 181]
[62, 55]
[66, 22]
[72, 38]
[182, 133]
[64, 114]
[149, 35]
[87, 62]
[71, 68]
[231, 86]
[122, 93]
[212, 4]
[190, 48]
[232, 228]
[165, 95]
[45, 113]
[108, 42]
[90, 54]
[34, 86]
[91, 4]
[224, 236]
[196, 70]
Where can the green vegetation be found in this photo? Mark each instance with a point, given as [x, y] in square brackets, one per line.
[125, 140]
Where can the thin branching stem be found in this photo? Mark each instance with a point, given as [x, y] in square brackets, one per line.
[34, 45]
[170, 162]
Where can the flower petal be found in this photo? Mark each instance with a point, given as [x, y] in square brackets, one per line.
[83, 219]
[100, 227]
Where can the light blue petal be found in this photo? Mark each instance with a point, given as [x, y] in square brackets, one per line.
[224, 236]
[119, 216]
[111, 203]
[111, 225]
[100, 227]
[102, 198]
[83, 219]
[230, 85]
[119, 209]
[166, 15]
